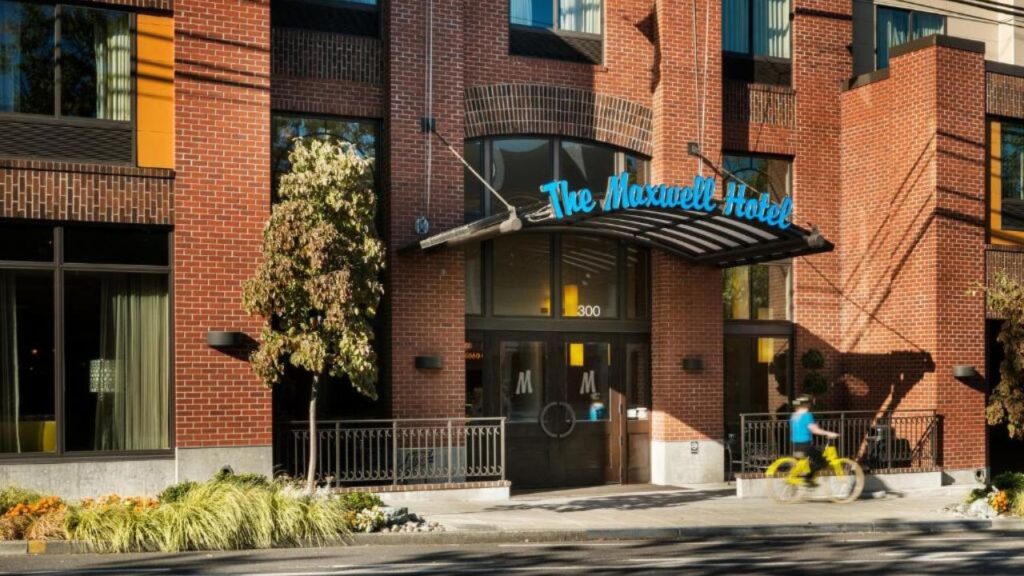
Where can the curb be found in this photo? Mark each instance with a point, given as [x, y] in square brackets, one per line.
[35, 547]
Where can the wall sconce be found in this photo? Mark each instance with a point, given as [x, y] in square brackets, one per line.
[429, 362]
[961, 371]
[693, 364]
[222, 339]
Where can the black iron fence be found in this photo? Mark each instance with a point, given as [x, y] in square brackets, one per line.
[409, 451]
[880, 441]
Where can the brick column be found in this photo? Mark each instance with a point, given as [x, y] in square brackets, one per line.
[221, 202]
[687, 420]
[425, 292]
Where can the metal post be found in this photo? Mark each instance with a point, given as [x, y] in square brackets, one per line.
[888, 442]
[502, 448]
[842, 431]
[743, 442]
[449, 450]
[337, 452]
[394, 452]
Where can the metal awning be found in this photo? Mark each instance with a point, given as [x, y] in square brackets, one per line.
[699, 237]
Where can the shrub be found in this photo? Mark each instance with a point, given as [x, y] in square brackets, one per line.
[1012, 481]
[360, 500]
[245, 479]
[978, 494]
[813, 359]
[370, 519]
[13, 495]
[176, 492]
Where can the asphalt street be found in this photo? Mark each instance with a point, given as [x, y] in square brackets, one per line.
[949, 553]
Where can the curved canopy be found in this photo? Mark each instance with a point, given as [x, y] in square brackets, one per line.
[698, 237]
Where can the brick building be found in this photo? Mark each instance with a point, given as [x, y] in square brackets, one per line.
[140, 141]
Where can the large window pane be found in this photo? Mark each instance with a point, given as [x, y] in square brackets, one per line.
[473, 188]
[117, 361]
[638, 287]
[892, 29]
[519, 167]
[926, 24]
[736, 26]
[523, 373]
[585, 165]
[588, 372]
[285, 128]
[28, 242]
[27, 408]
[26, 58]
[1012, 175]
[474, 378]
[762, 173]
[539, 13]
[756, 377]
[580, 16]
[522, 275]
[474, 280]
[95, 47]
[758, 292]
[771, 28]
[589, 277]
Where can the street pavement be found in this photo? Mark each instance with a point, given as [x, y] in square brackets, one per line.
[989, 552]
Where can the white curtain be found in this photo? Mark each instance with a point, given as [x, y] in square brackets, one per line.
[736, 26]
[893, 29]
[522, 12]
[113, 67]
[771, 28]
[132, 407]
[10, 440]
[580, 15]
[926, 24]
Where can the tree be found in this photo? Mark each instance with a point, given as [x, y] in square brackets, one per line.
[318, 283]
[1006, 400]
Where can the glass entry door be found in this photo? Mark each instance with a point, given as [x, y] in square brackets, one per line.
[563, 395]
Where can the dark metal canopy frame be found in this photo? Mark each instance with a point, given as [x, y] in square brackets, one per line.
[698, 237]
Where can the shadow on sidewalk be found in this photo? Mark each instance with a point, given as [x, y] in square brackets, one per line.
[573, 501]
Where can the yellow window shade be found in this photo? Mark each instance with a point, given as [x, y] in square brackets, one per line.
[155, 85]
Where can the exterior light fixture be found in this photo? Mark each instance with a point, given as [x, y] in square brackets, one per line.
[429, 363]
[693, 364]
[222, 339]
[964, 371]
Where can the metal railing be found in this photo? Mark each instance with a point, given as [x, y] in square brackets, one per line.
[880, 441]
[407, 451]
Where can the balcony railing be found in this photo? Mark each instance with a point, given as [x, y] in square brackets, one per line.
[880, 441]
[410, 451]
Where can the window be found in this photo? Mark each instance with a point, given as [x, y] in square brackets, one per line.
[582, 16]
[895, 26]
[590, 280]
[91, 79]
[522, 275]
[106, 290]
[355, 17]
[758, 30]
[761, 173]
[757, 377]
[519, 166]
[285, 128]
[1006, 173]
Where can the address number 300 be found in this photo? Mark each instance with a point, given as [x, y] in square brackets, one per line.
[587, 311]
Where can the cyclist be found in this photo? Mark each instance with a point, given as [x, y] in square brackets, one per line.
[802, 429]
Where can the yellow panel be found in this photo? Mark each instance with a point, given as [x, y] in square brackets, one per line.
[765, 350]
[155, 99]
[571, 300]
[575, 354]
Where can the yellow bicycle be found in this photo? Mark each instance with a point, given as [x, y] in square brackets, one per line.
[841, 478]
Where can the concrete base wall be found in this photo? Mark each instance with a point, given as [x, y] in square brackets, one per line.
[678, 463]
[964, 477]
[75, 480]
[489, 494]
[761, 488]
[201, 463]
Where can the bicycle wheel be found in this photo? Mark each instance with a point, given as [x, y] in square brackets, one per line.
[784, 485]
[846, 481]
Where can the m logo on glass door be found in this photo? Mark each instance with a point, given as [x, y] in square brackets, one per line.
[524, 383]
[587, 386]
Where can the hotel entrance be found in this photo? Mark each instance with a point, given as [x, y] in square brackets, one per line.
[577, 404]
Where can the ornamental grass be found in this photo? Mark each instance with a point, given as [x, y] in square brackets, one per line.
[226, 513]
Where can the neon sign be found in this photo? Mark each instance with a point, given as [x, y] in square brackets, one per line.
[700, 197]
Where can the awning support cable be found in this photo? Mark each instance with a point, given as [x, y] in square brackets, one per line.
[482, 180]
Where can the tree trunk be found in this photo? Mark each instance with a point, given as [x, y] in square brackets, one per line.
[311, 470]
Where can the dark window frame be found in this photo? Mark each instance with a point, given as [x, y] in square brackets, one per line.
[58, 267]
[911, 13]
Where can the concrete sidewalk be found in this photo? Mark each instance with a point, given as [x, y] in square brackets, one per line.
[650, 511]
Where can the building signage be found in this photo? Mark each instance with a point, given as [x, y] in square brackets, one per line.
[622, 194]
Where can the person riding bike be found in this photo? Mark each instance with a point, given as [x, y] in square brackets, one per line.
[802, 429]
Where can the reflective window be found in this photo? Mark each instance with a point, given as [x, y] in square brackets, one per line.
[26, 58]
[474, 280]
[519, 166]
[588, 371]
[894, 27]
[570, 15]
[1011, 184]
[21, 241]
[473, 152]
[285, 128]
[757, 292]
[95, 52]
[117, 361]
[756, 27]
[757, 377]
[474, 378]
[28, 421]
[522, 275]
[638, 287]
[586, 166]
[590, 269]
[104, 245]
[762, 173]
[523, 373]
